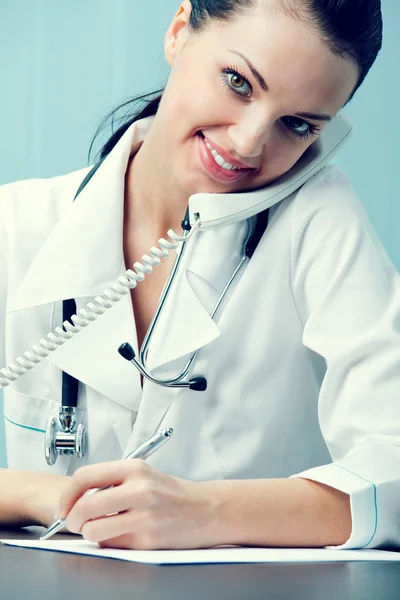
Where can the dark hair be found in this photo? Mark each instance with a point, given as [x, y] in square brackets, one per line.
[351, 28]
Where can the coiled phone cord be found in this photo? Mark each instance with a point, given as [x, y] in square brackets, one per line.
[93, 310]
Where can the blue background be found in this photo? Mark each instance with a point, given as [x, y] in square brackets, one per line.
[66, 64]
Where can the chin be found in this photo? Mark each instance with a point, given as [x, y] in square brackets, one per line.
[197, 185]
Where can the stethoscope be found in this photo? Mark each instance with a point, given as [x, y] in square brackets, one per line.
[63, 435]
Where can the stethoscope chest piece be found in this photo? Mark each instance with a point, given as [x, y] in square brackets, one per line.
[63, 436]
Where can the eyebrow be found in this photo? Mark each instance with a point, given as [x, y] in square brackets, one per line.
[263, 85]
[252, 68]
[314, 117]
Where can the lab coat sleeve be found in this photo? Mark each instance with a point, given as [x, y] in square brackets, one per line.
[347, 294]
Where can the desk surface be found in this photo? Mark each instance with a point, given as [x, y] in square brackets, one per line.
[43, 575]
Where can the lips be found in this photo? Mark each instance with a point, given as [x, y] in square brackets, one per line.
[225, 155]
[213, 169]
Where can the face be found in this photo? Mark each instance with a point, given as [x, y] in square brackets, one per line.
[245, 88]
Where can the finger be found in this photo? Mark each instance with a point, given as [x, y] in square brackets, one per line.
[111, 527]
[123, 542]
[96, 476]
[100, 504]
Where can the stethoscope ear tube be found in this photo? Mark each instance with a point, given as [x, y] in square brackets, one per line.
[197, 384]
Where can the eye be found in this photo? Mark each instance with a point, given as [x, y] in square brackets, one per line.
[235, 82]
[299, 128]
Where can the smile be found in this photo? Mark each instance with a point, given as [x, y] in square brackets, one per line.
[216, 165]
[218, 159]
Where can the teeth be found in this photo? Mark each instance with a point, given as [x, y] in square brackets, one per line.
[219, 160]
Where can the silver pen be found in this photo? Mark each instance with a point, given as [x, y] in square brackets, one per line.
[143, 451]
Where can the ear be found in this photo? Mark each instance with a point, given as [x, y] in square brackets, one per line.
[177, 33]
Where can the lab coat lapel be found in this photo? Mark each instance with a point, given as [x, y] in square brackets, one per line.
[81, 257]
[84, 252]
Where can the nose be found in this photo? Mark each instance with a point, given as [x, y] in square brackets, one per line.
[250, 136]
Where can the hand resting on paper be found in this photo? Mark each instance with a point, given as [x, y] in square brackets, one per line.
[145, 509]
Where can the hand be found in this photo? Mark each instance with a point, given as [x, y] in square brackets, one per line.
[145, 509]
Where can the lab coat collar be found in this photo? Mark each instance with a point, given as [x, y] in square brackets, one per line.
[83, 255]
[84, 252]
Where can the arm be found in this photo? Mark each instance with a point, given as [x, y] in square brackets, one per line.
[279, 512]
[158, 511]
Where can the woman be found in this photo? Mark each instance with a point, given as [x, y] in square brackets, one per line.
[295, 442]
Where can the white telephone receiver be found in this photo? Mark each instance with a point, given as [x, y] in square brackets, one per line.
[205, 211]
[215, 210]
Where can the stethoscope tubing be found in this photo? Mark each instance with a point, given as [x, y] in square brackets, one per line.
[185, 370]
[142, 364]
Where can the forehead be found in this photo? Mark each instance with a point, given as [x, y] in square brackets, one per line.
[297, 65]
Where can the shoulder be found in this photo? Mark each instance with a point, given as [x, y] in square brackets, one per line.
[38, 198]
[327, 215]
[324, 212]
[30, 209]
[332, 233]
[328, 194]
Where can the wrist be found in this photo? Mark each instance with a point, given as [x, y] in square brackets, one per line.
[223, 523]
[15, 509]
[42, 491]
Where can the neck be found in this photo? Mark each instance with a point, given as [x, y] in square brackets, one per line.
[152, 198]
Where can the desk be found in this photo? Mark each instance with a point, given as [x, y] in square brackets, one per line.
[43, 575]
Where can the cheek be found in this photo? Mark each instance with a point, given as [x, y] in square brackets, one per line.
[181, 156]
[278, 159]
[194, 100]
[182, 117]
[186, 97]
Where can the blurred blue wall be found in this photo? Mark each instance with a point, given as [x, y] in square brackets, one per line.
[64, 65]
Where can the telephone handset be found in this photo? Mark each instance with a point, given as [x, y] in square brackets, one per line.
[213, 210]
[205, 211]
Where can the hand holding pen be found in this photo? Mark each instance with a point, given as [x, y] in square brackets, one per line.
[143, 451]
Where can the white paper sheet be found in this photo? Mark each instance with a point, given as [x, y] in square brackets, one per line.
[212, 555]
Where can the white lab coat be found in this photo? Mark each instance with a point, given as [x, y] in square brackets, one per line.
[303, 366]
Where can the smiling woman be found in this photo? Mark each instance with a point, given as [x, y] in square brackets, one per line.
[298, 62]
[295, 441]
